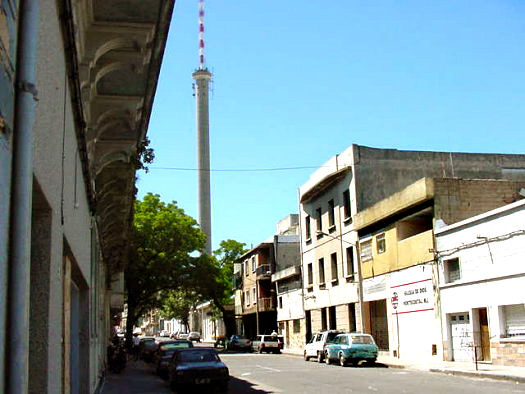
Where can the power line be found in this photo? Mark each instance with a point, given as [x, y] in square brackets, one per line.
[234, 169]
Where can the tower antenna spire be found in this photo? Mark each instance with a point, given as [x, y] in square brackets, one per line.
[202, 79]
[201, 34]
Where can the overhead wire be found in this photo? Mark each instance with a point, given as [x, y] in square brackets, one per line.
[236, 169]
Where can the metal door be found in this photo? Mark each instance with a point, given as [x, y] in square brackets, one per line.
[461, 337]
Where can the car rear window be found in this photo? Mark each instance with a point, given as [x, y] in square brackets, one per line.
[199, 356]
[362, 339]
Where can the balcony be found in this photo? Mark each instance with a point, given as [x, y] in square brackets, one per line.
[266, 304]
[263, 271]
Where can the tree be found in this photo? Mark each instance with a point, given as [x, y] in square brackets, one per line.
[177, 304]
[217, 284]
[163, 242]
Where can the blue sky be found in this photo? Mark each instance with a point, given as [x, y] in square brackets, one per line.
[296, 82]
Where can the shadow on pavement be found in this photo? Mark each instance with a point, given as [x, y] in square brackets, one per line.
[238, 386]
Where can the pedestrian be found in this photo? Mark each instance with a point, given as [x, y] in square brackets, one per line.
[136, 343]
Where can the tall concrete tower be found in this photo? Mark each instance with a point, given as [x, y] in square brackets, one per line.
[202, 79]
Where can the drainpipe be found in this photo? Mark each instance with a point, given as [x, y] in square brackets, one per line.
[21, 203]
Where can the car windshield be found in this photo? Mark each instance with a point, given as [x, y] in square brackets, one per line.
[331, 336]
[198, 356]
[362, 339]
[176, 345]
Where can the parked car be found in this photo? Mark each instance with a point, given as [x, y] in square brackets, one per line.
[147, 346]
[316, 346]
[351, 348]
[164, 353]
[268, 343]
[197, 367]
[182, 335]
[194, 336]
[239, 342]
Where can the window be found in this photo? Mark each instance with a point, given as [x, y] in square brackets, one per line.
[318, 218]
[331, 214]
[310, 274]
[324, 326]
[296, 326]
[366, 250]
[246, 267]
[346, 205]
[247, 297]
[321, 271]
[452, 271]
[308, 228]
[253, 263]
[514, 316]
[281, 302]
[333, 318]
[254, 295]
[350, 262]
[381, 243]
[333, 263]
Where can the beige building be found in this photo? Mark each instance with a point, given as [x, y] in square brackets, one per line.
[346, 185]
[77, 81]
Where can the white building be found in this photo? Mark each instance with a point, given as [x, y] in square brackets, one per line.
[482, 282]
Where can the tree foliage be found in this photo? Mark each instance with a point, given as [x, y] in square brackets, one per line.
[163, 242]
[167, 268]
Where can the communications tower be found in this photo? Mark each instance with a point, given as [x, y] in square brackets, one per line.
[202, 79]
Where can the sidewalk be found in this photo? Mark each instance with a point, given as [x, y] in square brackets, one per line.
[485, 370]
[138, 377]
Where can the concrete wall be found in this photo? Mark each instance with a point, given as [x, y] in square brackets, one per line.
[459, 199]
[381, 172]
[8, 41]
[292, 306]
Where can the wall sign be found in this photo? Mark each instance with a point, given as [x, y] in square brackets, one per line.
[411, 297]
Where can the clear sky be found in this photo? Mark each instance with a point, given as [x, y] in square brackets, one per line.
[298, 81]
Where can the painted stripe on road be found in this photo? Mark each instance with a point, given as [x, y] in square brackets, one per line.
[271, 369]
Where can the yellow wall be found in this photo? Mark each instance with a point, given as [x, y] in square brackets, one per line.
[399, 254]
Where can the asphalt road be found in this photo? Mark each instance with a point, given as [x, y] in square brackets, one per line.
[268, 373]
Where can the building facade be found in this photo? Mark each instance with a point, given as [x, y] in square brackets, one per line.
[334, 289]
[399, 273]
[268, 295]
[77, 80]
[481, 282]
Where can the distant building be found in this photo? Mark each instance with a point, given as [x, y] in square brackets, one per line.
[256, 301]
[348, 184]
[481, 284]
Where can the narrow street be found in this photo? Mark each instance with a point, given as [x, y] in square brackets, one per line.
[265, 373]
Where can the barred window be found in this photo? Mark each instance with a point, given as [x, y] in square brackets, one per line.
[366, 250]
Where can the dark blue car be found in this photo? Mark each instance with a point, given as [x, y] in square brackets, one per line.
[198, 367]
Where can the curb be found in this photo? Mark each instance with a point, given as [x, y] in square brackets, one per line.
[478, 374]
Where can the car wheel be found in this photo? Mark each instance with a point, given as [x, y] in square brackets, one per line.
[306, 358]
[327, 359]
[319, 357]
[342, 360]
[371, 362]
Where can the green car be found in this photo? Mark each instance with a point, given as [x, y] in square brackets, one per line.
[351, 348]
